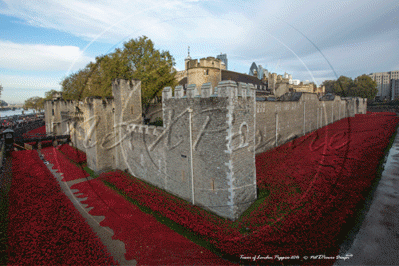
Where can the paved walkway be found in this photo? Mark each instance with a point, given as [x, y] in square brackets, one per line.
[377, 241]
[115, 247]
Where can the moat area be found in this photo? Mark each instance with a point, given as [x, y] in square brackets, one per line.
[352, 177]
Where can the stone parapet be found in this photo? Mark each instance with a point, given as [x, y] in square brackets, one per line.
[205, 150]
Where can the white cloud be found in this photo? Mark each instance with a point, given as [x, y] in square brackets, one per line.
[113, 21]
[30, 81]
[39, 57]
[350, 56]
[90, 18]
[243, 30]
[351, 59]
[18, 88]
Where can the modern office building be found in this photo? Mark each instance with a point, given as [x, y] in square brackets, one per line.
[387, 84]
[223, 57]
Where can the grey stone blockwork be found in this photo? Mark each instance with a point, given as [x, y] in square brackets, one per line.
[209, 147]
[205, 151]
[281, 121]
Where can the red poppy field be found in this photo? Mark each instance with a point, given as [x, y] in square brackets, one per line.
[308, 190]
[44, 226]
[60, 161]
[73, 154]
[38, 132]
[146, 240]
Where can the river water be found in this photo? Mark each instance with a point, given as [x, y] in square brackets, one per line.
[16, 112]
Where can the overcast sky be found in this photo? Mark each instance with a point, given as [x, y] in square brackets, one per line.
[43, 41]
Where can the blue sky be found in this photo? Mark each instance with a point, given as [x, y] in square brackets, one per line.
[41, 42]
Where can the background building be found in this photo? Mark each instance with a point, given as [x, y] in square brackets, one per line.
[213, 70]
[387, 84]
[223, 57]
[279, 85]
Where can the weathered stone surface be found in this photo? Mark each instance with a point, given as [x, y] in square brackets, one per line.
[205, 151]
[281, 121]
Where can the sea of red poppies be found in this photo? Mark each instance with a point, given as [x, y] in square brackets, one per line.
[38, 132]
[146, 240]
[73, 153]
[313, 184]
[44, 226]
[63, 165]
[310, 188]
[175, 209]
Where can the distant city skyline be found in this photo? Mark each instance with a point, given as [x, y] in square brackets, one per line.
[41, 42]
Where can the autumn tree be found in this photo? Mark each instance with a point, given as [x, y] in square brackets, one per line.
[329, 85]
[36, 103]
[104, 71]
[153, 67]
[363, 86]
[342, 86]
[138, 59]
[48, 95]
[73, 86]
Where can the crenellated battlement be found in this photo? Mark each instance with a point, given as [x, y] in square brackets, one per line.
[99, 102]
[225, 88]
[205, 150]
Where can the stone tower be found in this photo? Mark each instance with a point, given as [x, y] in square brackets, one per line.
[209, 151]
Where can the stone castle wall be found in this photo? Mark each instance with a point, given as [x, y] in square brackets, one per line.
[222, 139]
[281, 121]
[205, 150]
[56, 119]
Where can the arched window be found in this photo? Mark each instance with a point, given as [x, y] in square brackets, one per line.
[244, 134]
